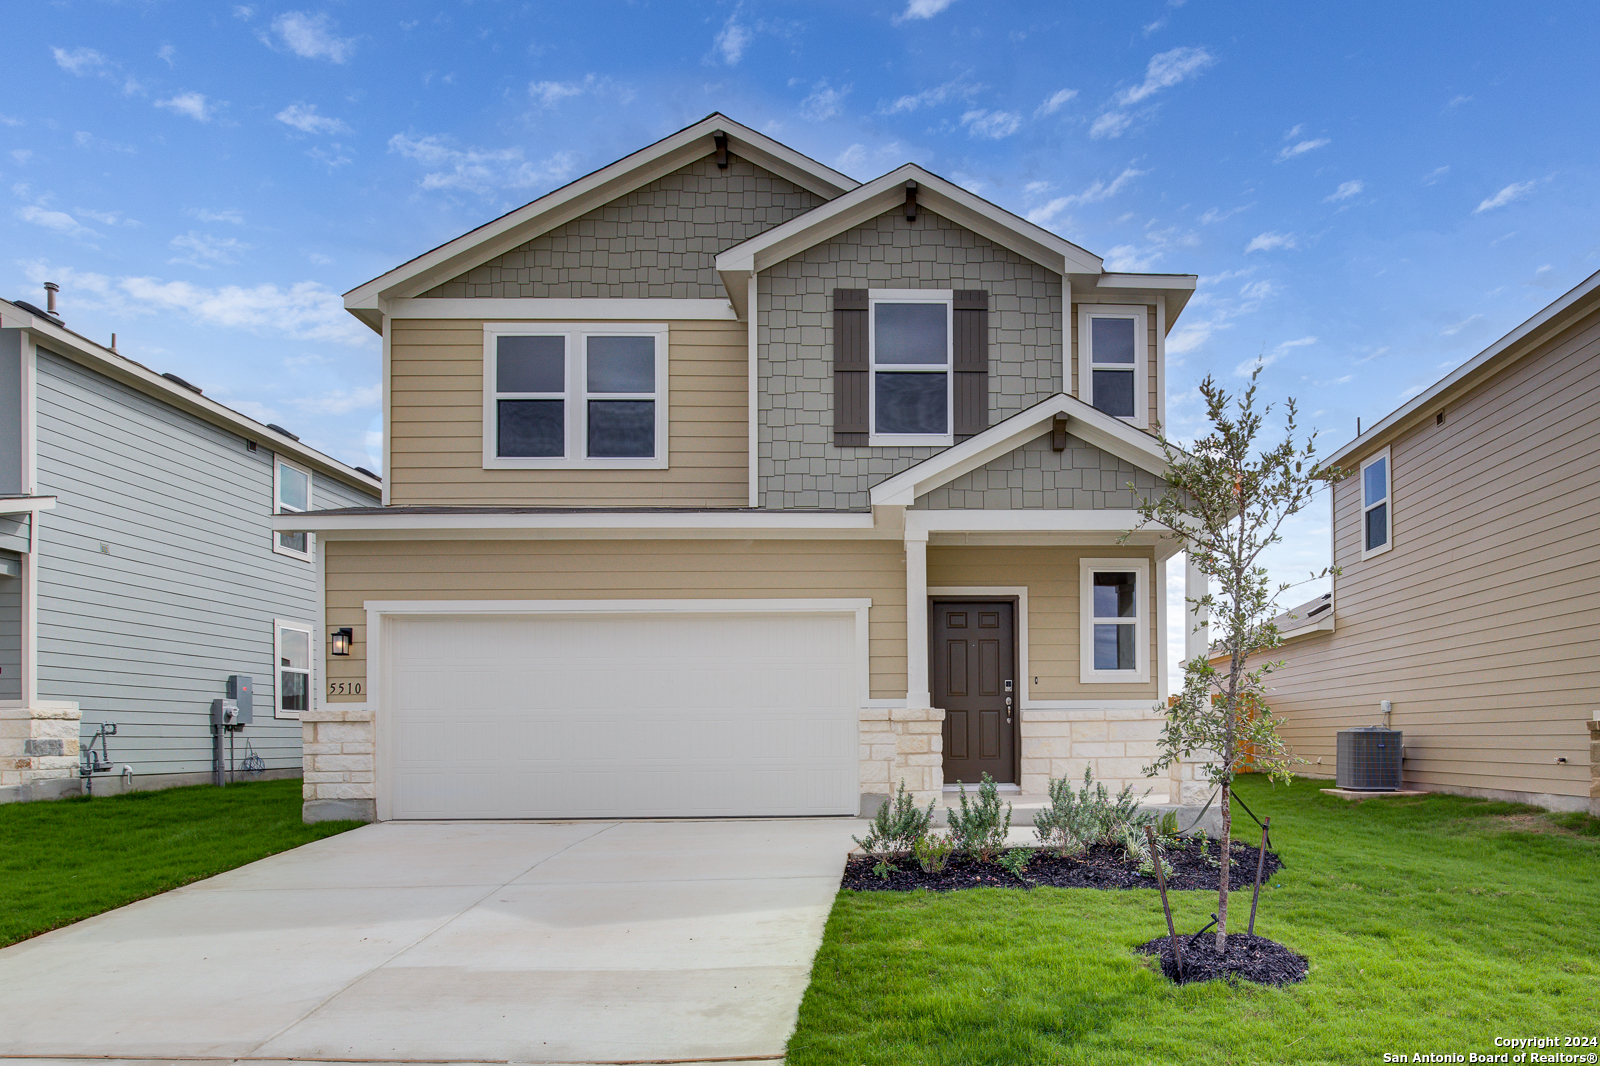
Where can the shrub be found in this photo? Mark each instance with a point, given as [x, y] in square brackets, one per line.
[1015, 861]
[897, 826]
[932, 852]
[1075, 820]
[980, 827]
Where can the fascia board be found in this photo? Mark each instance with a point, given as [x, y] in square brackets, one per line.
[1552, 320]
[1028, 520]
[10, 505]
[1175, 289]
[578, 309]
[708, 521]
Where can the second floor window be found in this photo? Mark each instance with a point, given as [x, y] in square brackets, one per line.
[1375, 509]
[292, 490]
[1112, 363]
[911, 356]
[566, 395]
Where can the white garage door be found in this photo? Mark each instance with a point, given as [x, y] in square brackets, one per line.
[606, 715]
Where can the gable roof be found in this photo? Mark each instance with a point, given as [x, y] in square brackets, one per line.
[866, 202]
[1087, 423]
[583, 195]
[1583, 299]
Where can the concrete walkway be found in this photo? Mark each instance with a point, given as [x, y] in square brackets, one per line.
[585, 942]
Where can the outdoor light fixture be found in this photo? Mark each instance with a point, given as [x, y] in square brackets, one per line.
[342, 639]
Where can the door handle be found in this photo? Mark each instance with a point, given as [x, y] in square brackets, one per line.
[1008, 710]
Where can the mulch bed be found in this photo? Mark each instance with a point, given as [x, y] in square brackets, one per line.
[1098, 867]
[1248, 958]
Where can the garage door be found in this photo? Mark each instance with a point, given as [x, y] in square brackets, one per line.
[607, 715]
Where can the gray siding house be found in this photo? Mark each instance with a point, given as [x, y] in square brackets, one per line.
[139, 568]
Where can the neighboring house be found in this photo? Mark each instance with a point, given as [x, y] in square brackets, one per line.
[722, 484]
[1468, 540]
[139, 567]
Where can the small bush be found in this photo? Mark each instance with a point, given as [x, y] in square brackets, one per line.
[897, 826]
[932, 852]
[1015, 861]
[1076, 820]
[980, 827]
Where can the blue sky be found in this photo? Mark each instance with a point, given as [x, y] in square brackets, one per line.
[1371, 193]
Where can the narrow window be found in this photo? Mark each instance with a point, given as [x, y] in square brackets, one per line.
[1375, 509]
[1115, 645]
[621, 384]
[911, 366]
[292, 654]
[292, 489]
[1112, 359]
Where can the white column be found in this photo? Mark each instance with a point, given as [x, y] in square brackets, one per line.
[917, 694]
[1196, 634]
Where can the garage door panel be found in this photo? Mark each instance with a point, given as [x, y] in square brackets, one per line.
[615, 716]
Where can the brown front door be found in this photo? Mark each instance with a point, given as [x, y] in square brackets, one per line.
[974, 680]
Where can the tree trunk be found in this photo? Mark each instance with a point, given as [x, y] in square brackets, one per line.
[1222, 892]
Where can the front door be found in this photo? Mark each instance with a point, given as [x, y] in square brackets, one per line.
[974, 679]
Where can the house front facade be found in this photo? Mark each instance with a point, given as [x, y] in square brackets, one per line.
[719, 483]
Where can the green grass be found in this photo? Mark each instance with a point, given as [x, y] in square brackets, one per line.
[64, 860]
[1432, 924]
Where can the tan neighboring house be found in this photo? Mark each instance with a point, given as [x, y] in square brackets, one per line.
[1469, 544]
[719, 483]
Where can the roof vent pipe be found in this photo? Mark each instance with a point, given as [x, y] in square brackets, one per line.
[50, 290]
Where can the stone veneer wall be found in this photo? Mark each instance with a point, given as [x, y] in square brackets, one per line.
[339, 776]
[39, 751]
[901, 744]
[1115, 741]
[659, 241]
[1036, 475]
[799, 465]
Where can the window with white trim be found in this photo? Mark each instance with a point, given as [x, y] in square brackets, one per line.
[1113, 359]
[1114, 595]
[912, 352]
[1377, 511]
[566, 395]
[291, 492]
[291, 652]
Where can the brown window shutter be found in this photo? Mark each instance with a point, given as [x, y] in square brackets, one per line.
[971, 314]
[850, 370]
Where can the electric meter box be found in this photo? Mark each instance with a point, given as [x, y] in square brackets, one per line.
[240, 689]
[224, 713]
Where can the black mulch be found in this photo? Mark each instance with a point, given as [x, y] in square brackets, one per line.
[1248, 958]
[1098, 867]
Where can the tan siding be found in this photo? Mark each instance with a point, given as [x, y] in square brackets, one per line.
[1051, 576]
[622, 569]
[1480, 623]
[436, 426]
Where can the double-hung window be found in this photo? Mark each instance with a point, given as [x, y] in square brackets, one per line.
[291, 651]
[291, 488]
[1376, 510]
[1113, 360]
[1115, 595]
[573, 395]
[912, 353]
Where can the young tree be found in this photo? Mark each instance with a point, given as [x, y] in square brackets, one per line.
[1227, 498]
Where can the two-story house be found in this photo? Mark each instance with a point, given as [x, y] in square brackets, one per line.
[139, 568]
[721, 484]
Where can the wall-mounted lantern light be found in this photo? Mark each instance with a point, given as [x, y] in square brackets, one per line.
[342, 639]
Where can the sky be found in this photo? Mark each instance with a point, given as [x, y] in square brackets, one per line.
[1371, 193]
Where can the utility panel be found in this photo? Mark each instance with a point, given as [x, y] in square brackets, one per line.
[240, 689]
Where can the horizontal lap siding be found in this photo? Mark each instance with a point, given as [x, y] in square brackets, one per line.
[1479, 624]
[1051, 577]
[145, 633]
[436, 426]
[623, 569]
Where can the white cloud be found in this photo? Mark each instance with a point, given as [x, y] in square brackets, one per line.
[858, 158]
[22, 156]
[240, 11]
[731, 41]
[1267, 242]
[59, 221]
[7, 120]
[1110, 124]
[1451, 331]
[80, 61]
[304, 118]
[1436, 175]
[166, 53]
[1130, 258]
[958, 89]
[994, 125]
[824, 102]
[1457, 102]
[1217, 215]
[479, 170]
[1542, 278]
[194, 105]
[550, 93]
[1100, 190]
[923, 9]
[1158, 24]
[1512, 192]
[205, 251]
[108, 218]
[341, 401]
[1250, 366]
[1290, 151]
[1345, 191]
[1054, 102]
[207, 215]
[1166, 70]
[310, 37]
[1412, 391]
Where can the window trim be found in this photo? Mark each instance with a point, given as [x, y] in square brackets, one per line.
[1388, 498]
[1141, 356]
[912, 296]
[279, 507]
[1140, 568]
[576, 396]
[310, 630]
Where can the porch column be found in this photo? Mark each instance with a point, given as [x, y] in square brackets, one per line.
[1196, 634]
[917, 694]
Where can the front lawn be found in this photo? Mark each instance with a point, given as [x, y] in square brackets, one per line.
[1432, 925]
[64, 860]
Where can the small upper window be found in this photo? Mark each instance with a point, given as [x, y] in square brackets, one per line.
[1376, 512]
[292, 491]
[292, 653]
[1112, 359]
[911, 352]
[1115, 622]
[571, 395]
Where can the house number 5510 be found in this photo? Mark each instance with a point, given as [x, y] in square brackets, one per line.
[344, 688]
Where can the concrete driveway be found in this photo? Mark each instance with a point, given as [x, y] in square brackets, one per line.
[585, 942]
